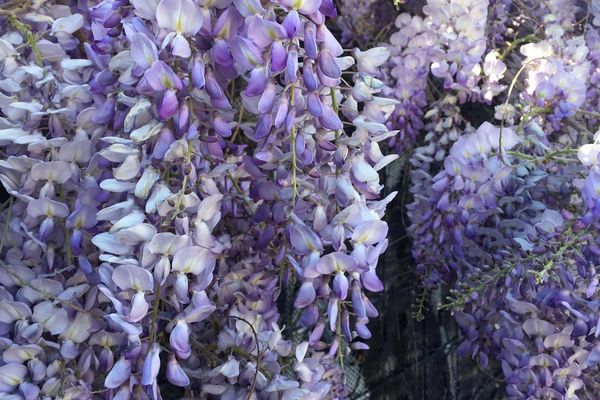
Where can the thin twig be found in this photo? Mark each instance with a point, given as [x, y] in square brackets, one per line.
[239, 124]
[510, 90]
[257, 357]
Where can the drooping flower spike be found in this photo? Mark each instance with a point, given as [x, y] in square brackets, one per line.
[172, 166]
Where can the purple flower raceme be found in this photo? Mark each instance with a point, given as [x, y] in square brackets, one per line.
[423, 50]
[173, 165]
[461, 197]
[507, 211]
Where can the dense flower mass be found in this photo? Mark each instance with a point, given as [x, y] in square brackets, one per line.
[176, 168]
[505, 203]
[173, 166]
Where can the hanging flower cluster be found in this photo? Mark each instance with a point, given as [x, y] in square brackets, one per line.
[447, 45]
[506, 203]
[173, 166]
[176, 168]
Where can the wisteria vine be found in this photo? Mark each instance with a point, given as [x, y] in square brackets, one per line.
[172, 167]
[176, 167]
[504, 210]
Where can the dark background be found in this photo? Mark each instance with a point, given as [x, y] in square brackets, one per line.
[412, 359]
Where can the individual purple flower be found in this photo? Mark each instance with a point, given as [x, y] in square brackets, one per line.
[161, 77]
[11, 375]
[184, 19]
[119, 374]
[175, 373]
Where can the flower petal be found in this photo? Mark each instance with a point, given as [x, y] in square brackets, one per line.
[194, 260]
[119, 373]
[143, 50]
[306, 295]
[132, 277]
[179, 340]
[181, 16]
[175, 373]
[11, 375]
[151, 365]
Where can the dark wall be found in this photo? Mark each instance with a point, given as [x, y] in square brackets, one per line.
[3, 194]
[412, 359]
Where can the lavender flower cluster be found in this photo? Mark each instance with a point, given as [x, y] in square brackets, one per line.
[173, 166]
[505, 210]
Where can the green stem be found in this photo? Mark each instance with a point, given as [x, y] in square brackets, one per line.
[67, 233]
[590, 113]
[293, 144]
[188, 159]
[336, 108]
[529, 38]
[6, 223]
[340, 353]
[238, 189]
[294, 181]
[546, 158]
[257, 358]
[508, 96]
[154, 316]
[25, 30]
